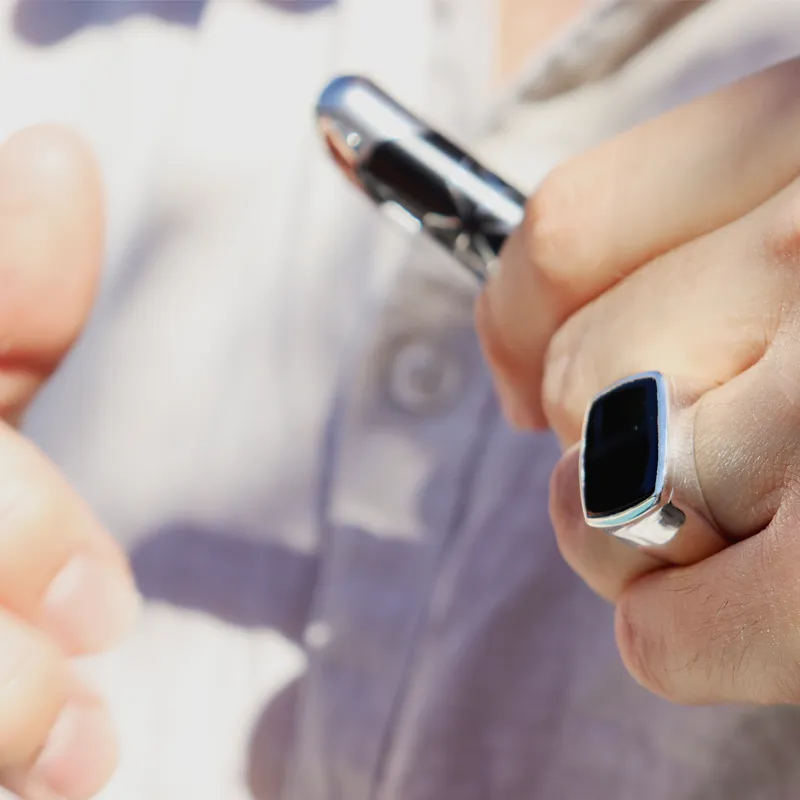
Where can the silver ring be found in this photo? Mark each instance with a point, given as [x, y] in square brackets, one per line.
[637, 469]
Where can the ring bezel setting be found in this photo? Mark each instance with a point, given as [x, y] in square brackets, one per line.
[625, 475]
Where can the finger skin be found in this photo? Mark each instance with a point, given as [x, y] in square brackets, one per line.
[746, 440]
[723, 630]
[33, 687]
[44, 525]
[78, 756]
[602, 215]
[51, 224]
[56, 738]
[51, 227]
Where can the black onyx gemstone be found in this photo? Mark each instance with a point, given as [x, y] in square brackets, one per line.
[620, 458]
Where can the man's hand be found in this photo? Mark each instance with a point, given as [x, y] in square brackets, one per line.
[65, 587]
[676, 247]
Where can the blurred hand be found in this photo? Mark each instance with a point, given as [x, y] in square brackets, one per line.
[65, 587]
[676, 247]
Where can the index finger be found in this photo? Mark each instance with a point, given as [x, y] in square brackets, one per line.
[605, 213]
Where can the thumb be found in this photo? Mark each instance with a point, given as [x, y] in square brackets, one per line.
[51, 243]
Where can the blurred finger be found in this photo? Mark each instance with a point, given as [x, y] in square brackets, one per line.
[33, 687]
[51, 235]
[59, 569]
[56, 739]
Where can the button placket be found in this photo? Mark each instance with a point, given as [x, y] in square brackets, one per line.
[409, 416]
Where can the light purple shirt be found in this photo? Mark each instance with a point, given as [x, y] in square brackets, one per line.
[280, 407]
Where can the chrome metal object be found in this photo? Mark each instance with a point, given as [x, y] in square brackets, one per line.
[396, 158]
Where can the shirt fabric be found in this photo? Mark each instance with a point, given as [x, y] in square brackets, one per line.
[280, 408]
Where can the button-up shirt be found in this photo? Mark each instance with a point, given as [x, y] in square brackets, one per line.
[280, 408]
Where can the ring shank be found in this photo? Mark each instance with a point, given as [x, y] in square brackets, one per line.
[680, 536]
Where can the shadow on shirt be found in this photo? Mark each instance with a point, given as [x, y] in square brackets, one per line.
[48, 22]
[186, 566]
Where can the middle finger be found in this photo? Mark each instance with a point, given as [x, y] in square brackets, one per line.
[703, 313]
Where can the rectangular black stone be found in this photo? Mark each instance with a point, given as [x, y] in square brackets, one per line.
[621, 448]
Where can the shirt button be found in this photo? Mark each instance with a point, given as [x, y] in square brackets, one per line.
[318, 635]
[424, 378]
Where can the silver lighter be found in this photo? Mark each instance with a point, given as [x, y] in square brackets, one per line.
[396, 158]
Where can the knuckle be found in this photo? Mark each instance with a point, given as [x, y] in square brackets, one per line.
[782, 235]
[33, 688]
[549, 236]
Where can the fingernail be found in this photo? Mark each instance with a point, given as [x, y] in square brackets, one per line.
[90, 605]
[79, 755]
